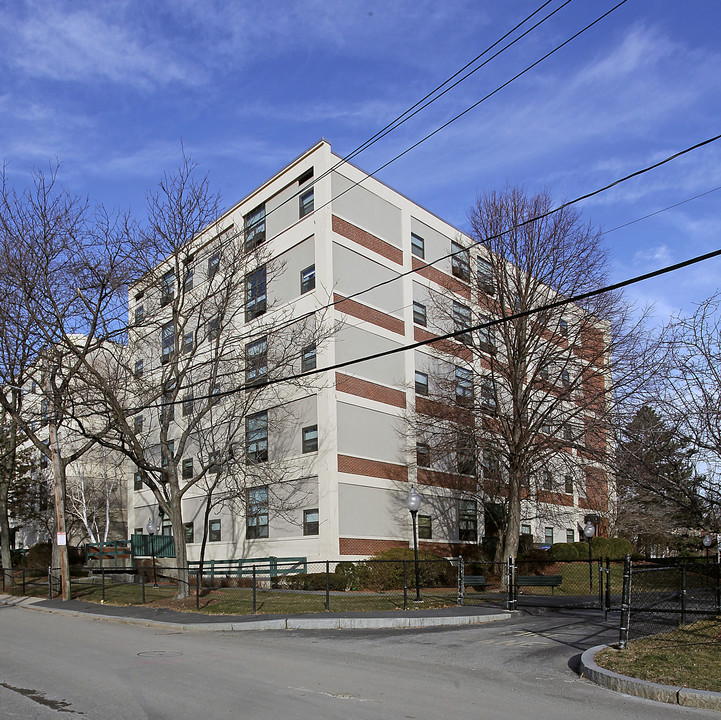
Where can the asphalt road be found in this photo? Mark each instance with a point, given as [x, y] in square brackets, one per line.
[54, 666]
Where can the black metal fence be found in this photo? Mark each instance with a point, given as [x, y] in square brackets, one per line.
[660, 597]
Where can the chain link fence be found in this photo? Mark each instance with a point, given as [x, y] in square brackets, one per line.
[658, 598]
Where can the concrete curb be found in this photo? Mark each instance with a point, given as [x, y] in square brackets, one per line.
[643, 688]
[308, 622]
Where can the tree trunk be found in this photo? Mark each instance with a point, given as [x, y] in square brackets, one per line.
[181, 551]
[60, 551]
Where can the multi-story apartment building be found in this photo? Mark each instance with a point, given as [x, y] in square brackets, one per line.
[331, 454]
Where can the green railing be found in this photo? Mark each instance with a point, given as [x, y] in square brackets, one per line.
[142, 546]
[239, 567]
[112, 553]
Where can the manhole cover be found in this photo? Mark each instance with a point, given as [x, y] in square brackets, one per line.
[159, 653]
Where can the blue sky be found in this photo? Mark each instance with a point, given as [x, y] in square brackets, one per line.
[111, 88]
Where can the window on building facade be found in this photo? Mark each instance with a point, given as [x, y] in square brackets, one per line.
[187, 343]
[307, 175]
[490, 463]
[461, 322]
[214, 462]
[138, 369]
[138, 423]
[256, 437]
[547, 480]
[467, 521]
[257, 512]
[485, 276]
[254, 227]
[189, 533]
[465, 454]
[166, 528]
[306, 203]
[421, 383]
[310, 521]
[139, 314]
[188, 469]
[425, 529]
[488, 394]
[187, 404]
[214, 394]
[307, 279]
[567, 432]
[310, 439]
[418, 245]
[569, 535]
[137, 481]
[464, 386]
[423, 455]
[565, 378]
[548, 536]
[460, 262]
[255, 294]
[563, 327]
[167, 407]
[214, 531]
[308, 358]
[138, 531]
[525, 529]
[213, 265]
[168, 342]
[164, 462]
[256, 360]
[568, 484]
[188, 278]
[213, 328]
[419, 314]
[167, 287]
[485, 335]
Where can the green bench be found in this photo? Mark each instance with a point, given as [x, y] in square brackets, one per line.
[552, 581]
[477, 582]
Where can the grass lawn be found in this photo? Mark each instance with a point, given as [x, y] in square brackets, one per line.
[689, 656]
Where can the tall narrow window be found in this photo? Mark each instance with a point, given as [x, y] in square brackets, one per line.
[568, 485]
[418, 246]
[256, 360]
[464, 386]
[138, 423]
[138, 369]
[257, 512]
[419, 314]
[563, 327]
[460, 262]
[488, 394]
[485, 276]
[465, 454]
[167, 407]
[214, 393]
[139, 314]
[310, 439]
[187, 404]
[188, 278]
[213, 328]
[168, 341]
[423, 455]
[421, 383]
[254, 227]
[467, 521]
[491, 464]
[213, 265]
[189, 533]
[255, 294]
[188, 469]
[256, 437]
[570, 535]
[214, 531]
[306, 203]
[214, 462]
[548, 536]
[137, 481]
[485, 335]
[307, 279]
[462, 322]
[308, 358]
[167, 287]
[547, 480]
[187, 343]
[425, 530]
[565, 378]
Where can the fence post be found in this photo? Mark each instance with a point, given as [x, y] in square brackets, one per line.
[197, 588]
[718, 586]
[102, 575]
[142, 582]
[600, 583]
[608, 587]
[461, 575]
[510, 580]
[253, 589]
[683, 595]
[50, 582]
[327, 585]
[625, 604]
[405, 586]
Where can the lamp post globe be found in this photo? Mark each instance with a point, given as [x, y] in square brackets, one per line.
[413, 503]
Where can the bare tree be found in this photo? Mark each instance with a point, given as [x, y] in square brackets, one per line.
[689, 399]
[185, 385]
[519, 413]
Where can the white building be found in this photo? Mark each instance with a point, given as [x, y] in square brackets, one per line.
[346, 462]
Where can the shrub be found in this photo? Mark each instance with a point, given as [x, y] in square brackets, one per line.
[563, 552]
[313, 581]
[40, 556]
[525, 544]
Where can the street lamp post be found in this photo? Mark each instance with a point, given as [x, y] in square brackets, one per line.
[707, 543]
[413, 502]
[589, 531]
[151, 531]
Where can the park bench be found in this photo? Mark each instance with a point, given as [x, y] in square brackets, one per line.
[552, 581]
[477, 582]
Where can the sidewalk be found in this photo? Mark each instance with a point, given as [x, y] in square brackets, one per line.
[195, 622]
